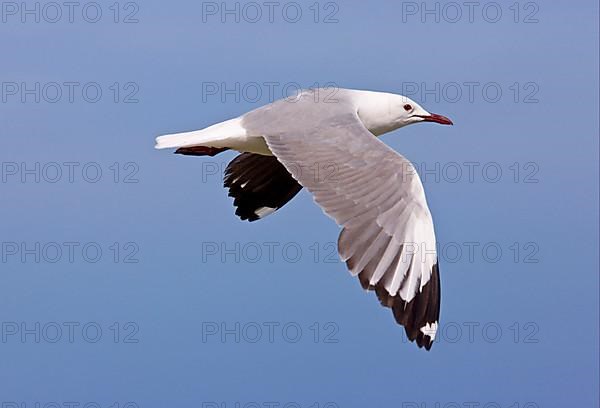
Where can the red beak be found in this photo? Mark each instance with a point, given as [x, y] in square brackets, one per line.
[437, 119]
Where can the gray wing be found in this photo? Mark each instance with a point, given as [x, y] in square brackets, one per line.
[371, 191]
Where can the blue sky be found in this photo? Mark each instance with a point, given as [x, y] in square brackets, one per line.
[126, 278]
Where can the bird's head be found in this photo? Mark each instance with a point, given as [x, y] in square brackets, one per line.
[384, 112]
[408, 112]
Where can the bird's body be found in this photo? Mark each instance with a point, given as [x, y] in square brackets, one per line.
[374, 110]
[327, 146]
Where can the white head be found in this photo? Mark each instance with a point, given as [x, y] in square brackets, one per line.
[384, 112]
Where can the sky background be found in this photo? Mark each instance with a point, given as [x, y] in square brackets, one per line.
[165, 298]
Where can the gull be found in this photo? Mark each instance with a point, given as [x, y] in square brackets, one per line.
[330, 146]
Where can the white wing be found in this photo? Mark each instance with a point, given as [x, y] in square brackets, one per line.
[370, 190]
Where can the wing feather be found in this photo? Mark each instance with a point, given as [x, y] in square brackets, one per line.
[374, 193]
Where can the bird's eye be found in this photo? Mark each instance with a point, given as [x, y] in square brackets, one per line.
[407, 107]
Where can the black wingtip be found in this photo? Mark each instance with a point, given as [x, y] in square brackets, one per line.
[421, 315]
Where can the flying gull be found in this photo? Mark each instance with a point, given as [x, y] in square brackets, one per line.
[330, 146]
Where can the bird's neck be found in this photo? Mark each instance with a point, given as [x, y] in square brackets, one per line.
[376, 111]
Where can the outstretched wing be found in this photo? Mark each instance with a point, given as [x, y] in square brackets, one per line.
[374, 193]
[259, 185]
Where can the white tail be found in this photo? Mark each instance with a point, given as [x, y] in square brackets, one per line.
[222, 134]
